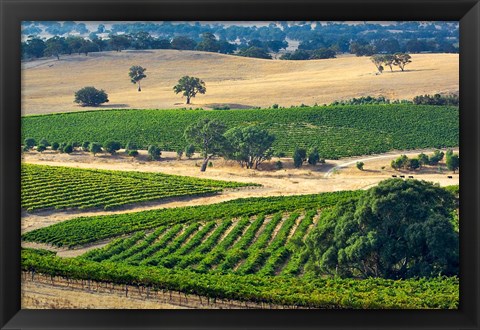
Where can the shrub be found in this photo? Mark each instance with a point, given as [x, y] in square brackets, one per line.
[130, 146]
[299, 156]
[44, 142]
[179, 153]
[154, 152]
[210, 164]
[313, 157]
[360, 165]
[278, 165]
[112, 146]
[41, 148]
[436, 157]
[55, 145]
[133, 153]
[189, 151]
[86, 146]
[29, 143]
[275, 106]
[66, 148]
[95, 148]
[90, 96]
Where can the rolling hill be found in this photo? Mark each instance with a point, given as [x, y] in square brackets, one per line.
[48, 85]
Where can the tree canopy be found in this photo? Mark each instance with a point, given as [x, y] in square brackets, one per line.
[136, 74]
[190, 86]
[249, 145]
[398, 229]
[90, 96]
[206, 135]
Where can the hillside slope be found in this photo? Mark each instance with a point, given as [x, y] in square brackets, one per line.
[48, 86]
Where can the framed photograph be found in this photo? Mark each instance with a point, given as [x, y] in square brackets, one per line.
[240, 164]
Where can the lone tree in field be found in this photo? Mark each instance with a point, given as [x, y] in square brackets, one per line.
[401, 59]
[90, 96]
[378, 61]
[136, 74]
[207, 136]
[190, 86]
[249, 146]
[377, 236]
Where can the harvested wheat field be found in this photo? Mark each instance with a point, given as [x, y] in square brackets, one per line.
[48, 86]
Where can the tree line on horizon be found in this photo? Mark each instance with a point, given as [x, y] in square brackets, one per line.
[317, 46]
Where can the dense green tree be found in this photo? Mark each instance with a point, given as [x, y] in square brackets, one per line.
[55, 46]
[95, 148]
[112, 146]
[137, 73]
[400, 162]
[34, 47]
[299, 157]
[190, 86]
[41, 148]
[255, 52]
[250, 145]
[322, 53]
[436, 157]
[66, 148]
[360, 165]
[207, 135]
[183, 43]
[398, 229]
[119, 42]
[90, 96]
[29, 143]
[423, 159]
[55, 145]
[88, 47]
[131, 146]
[86, 146]
[209, 43]
[189, 151]
[74, 43]
[412, 164]
[313, 156]
[154, 152]
[44, 142]
[453, 162]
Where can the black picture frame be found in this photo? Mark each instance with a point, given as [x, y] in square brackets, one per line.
[14, 11]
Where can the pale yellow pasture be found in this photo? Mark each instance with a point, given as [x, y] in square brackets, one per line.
[49, 85]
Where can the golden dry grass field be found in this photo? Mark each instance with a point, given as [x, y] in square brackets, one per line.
[48, 86]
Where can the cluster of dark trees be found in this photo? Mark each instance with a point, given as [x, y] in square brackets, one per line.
[248, 145]
[391, 60]
[362, 47]
[437, 99]
[315, 54]
[319, 40]
[95, 148]
[451, 160]
[375, 235]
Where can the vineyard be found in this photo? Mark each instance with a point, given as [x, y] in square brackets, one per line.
[45, 187]
[85, 230]
[337, 131]
[257, 245]
[246, 250]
